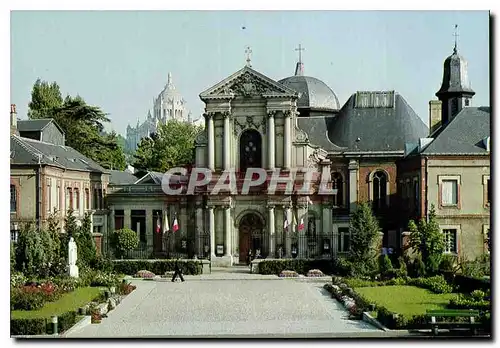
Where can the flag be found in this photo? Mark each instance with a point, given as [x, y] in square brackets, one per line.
[175, 226]
[285, 225]
[301, 225]
[166, 227]
[158, 225]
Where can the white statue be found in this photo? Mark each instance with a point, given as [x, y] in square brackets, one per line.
[72, 257]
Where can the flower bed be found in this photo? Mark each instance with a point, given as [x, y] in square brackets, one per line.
[144, 274]
[315, 273]
[289, 274]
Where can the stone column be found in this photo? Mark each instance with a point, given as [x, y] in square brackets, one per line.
[353, 185]
[211, 229]
[327, 226]
[199, 229]
[227, 230]
[183, 221]
[287, 142]
[211, 141]
[271, 229]
[227, 143]
[112, 221]
[288, 233]
[270, 140]
[127, 220]
[149, 229]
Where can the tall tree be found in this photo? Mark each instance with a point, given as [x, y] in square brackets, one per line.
[172, 146]
[427, 240]
[82, 124]
[45, 98]
[365, 240]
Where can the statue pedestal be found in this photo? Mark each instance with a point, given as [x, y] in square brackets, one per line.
[73, 271]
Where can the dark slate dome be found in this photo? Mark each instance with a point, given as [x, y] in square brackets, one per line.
[314, 94]
[455, 77]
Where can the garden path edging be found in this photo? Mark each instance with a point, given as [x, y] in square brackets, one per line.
[371, 320]
[86, 320]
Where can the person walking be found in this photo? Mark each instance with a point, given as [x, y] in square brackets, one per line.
[177, 271]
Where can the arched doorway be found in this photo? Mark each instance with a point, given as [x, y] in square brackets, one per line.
[250, 150]
[250, 235]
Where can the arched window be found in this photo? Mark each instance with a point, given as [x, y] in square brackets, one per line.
[379, 187]
[337, 186]
[250, 150]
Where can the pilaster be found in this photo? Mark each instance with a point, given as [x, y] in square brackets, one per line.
[271, 230]
[287, 146]
[271, 140]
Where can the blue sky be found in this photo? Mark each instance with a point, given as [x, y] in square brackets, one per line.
[120, 60]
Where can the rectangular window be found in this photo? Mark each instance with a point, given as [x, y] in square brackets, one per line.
[69, 199]
[450, 241]
[13, 235]
[449, 192]
[488, 192]
[58, 196]
[87, 199]
[99, 193]
[343, 241]
[76, 197]
[119, 219]
[95, 200]
[13, 199]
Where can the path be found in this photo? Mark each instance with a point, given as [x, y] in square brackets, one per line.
[231, 308]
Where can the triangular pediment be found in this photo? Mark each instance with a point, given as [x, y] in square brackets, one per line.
[247, 82]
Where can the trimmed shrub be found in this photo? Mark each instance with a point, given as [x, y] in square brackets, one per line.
[436, 284]
[124, 240]
[402, 271]
[467, 285]
[28, 326]
[337, 266]
[104, 279]
[385, 267]
[131, 267]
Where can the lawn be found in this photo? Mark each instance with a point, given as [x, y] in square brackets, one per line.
[68, 302]
[406, 300]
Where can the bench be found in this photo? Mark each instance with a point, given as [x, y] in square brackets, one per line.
[453, 313]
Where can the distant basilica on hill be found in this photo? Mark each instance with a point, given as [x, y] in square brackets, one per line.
[169, 105]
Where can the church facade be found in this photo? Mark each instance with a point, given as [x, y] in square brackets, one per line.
[253, 121]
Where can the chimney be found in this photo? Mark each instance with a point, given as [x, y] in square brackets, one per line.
[13, 119]
[434, 115]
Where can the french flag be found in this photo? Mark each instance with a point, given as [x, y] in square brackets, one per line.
[158, 225]
[301, 225]
[175, 226]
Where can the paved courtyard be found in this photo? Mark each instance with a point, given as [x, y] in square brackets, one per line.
[205, 307]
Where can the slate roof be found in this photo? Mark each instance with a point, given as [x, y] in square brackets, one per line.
[119, 177]
[35, 125]
[378, 128]
[26, 151]
[316, 128]
[313, 93]
[464, 134]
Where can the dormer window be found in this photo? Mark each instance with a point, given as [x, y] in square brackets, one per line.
[486, 142]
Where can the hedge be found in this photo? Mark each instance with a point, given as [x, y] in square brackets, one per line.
[42, 326]
[158, 267]
[275, 267]
[467, 285]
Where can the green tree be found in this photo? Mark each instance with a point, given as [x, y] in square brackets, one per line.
[34, 251]
[427, 240]
[45, 99]
[172, 146]
[82, 124]
[87, 251]
[365, 240]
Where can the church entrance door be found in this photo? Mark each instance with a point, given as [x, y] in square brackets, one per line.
[250, 235]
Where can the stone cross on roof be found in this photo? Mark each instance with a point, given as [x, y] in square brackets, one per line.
[456, 36]
[248, 52]
[300, 49]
